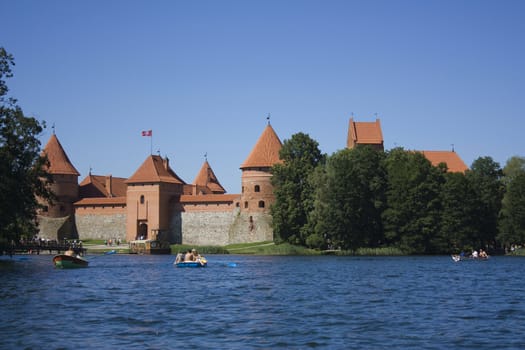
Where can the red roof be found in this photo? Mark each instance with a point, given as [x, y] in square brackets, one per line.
[102, 201]
[209, 198]
[96, 186]
[155, 169]
[206, 178]
[265, 153]
[364, 133]
[454, 163]
[59, 162]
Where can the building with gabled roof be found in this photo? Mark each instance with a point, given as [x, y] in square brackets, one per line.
[365, 133]
[450, 158]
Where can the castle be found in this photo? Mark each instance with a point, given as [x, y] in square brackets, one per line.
[156, 204]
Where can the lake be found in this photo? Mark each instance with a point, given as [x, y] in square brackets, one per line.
[263, 302]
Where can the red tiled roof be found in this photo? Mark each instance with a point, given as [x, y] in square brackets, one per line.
[95, 186]
[265, 153]
[454, 163]
[206, 178]
[209, 198]
[155, 169]
[59, 162]
[102, 201]
[364, 133]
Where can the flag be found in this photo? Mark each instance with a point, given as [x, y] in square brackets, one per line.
[147, 133]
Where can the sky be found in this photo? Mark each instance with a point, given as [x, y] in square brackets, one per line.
[205, 75]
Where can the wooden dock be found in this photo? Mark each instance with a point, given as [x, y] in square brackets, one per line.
[41, 248]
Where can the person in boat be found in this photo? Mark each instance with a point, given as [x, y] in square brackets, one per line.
[69, 252]
[196, 256]
[189, 256]
[474, 254]
[483, 254]
[179, 258]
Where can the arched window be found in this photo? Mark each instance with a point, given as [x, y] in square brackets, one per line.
[246, 204]
[261, 204]
[257, 188]
[142, 199]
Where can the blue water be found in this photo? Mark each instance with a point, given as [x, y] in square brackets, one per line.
[251, 302]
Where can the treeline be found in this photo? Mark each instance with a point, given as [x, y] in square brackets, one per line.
[364, 198]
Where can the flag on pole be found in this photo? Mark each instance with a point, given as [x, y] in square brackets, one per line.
[147, 133]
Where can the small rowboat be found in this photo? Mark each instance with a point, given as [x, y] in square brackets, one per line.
[64, 261]
[458, 258]
[202, 262]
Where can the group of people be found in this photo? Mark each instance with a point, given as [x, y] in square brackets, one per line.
[190, 255]
[482, 254]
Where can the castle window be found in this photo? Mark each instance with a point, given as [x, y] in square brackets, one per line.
[237, 204]
[257, 188]
[142, 199]
[242, 189]
[246, 204]
[261, 204]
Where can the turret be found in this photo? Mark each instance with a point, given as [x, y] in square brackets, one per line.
[257, 190]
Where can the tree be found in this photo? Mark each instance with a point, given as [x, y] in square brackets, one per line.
[512, 215]
[458, 221]
[412, 216]
[22, 173]
[485, 177]
[350, 199]
[293, 193]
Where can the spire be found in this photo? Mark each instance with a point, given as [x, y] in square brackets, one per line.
[265, 153]
[59, 162]
[206, 178]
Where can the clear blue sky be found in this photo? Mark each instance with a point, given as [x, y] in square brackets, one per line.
[203, 75]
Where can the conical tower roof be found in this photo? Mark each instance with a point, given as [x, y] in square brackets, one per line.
[265, 153]
[59, 162]
[206, 178]
[155, 169]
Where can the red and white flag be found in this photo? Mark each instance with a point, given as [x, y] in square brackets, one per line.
[147, 133]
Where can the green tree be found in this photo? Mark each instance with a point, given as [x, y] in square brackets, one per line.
[293, 193]
[411, 218]
[485, 177]
[458, 221]
[350, 198]
[22, 174]
[512, 215]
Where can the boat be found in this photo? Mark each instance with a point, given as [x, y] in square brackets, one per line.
[179, 262]
[458, 258]
[65, 261]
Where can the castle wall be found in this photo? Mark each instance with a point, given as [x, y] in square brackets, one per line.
[101, 222]
[206, 227]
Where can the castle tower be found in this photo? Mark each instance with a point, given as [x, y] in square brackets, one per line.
[65, 181]
[365, 133]
[257, 190]
[153, 192]
[206, 182]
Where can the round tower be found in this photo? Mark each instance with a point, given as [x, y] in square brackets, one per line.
[65, 181]
[257, 190]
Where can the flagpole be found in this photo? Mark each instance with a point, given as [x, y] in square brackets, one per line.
[151, 144]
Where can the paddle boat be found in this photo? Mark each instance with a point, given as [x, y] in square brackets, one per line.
[458, 258]
[200, 262]
[67, 261]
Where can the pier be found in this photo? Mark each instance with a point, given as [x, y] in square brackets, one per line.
[38, 247]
